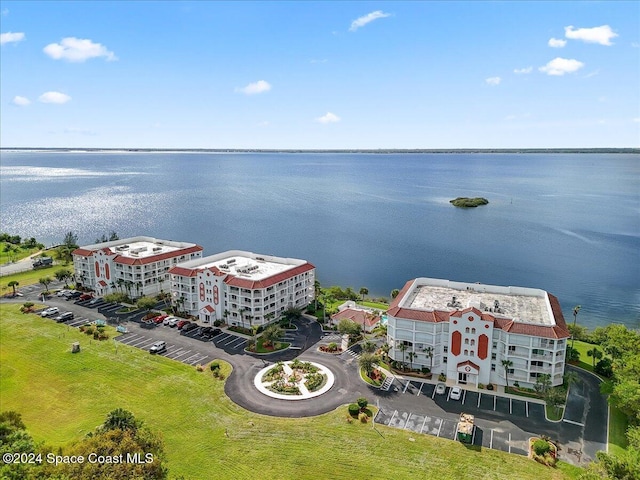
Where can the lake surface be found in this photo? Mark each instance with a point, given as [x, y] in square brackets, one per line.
[565, 223]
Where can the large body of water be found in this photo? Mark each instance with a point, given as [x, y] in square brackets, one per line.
[566, 223]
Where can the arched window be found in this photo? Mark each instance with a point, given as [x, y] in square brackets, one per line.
[473, 330]
[466, 341]
[466, 352]
[473, 342]
[466, 330]
[472, 353]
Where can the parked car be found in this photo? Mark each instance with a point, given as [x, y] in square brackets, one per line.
[188, 327]
[158, 347]
[63, 293]
[63, 317]
[174, 321]
[168, 318]
[50, 312]
[182, 323]
[159, 319]
[74, 294]
[216, 331]
[440, 389]
[85, 296]
[456, 393]
[94, 301]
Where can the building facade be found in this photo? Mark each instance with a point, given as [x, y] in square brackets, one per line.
[137, 266]
[367, 318]
[478, 334]
[242, 288]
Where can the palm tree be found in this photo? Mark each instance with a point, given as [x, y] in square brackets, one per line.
[368, 346]
[385, 349]
[429, 353]
[507, 364]
[576, 310]
[403, 348]
[120, 282]
[367, 362]
[13, 284]
[380, 330]
[316, 292]
[271, 334]
[595, 354]
[571, 377]
[394, 293]
[139, 285]
[364, 291]
[242, 312]
[412, 355]
[45, 281]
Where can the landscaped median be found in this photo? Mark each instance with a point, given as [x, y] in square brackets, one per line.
[203, 430]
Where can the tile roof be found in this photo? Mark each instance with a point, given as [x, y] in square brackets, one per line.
[361, 317]
[102, 283]
[156, 258]
[469, 363]
[184, 272]
[208, 308]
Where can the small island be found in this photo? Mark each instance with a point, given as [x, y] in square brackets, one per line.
[466, 202]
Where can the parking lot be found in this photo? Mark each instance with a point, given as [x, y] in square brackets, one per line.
[500, 423]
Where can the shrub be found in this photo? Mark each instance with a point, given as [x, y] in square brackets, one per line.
[426, 370]
[332, 347]
[573, 355]
[489, 386]
[604, 368]
[363, 417]
[442, 377]
[315, 381]
[199, 368]
[516, 384]
[480, 386]
[541, 447]
[96, 335]
[354, 409]
[362, 403]
[217, 323]
[215, 366]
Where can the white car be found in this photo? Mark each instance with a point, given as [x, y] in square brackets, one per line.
[173, 322]
[440, 389]
[169, 319]
[158, 347]
[49, 312]
[456, 393]
[63, 293]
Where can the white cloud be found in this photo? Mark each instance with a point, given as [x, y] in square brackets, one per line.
[328, 118]
[21, 101]
[493, 81]
[11, 37]
[54, 97]
[520, 71]
[592, 74]
[74, 49]
[257, 87]
[601, 35]
[557, 42]
[368, 18]
[559, 66]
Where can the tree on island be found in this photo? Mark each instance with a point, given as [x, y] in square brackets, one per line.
[394, 293]
[466, 202]
[13, 284]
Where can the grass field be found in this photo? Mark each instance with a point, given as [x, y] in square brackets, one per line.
[30, 277]
[62, 396]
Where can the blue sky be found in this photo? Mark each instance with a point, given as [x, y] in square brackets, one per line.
[320, 74]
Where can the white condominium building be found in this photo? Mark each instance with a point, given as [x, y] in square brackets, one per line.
[137, 266]
[242, 288]
[478, 334]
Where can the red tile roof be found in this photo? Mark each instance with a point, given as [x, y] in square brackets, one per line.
[184, 272]
[82, 251]
[102, 283]
[469, 363]
[267, 282]
[208, 308]
[361, 317]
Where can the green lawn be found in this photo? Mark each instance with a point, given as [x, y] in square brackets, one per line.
[30, 277]
[62, 396]
[380, 306]
[586, 361]
[618, 425]
[15, 256]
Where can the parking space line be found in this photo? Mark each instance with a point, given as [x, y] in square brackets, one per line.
[242, 340]
[182, 354]
[188, 359]
[433, 395]
[464, 395]
[146, 344]
[509, 442]
[224, 336]
[394, 414]
[176, 352]
[131, 338]
[197, 359]
[405, 387]
[423, 423]
[440, 427]
[407, 422]
[234, 339]
[479, 397]
[526, 404]
[491, 441]
[138, 341]
[421, 385]
[494, 402]
[511, 406]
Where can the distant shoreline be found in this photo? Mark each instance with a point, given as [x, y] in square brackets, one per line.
[369, 151]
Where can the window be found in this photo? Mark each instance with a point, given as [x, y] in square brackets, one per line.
[466, 341]
[444, 360]
[446, 349]
[473, 353]
[466, 330]
[536, 363]
[493, 367]
[466, 352]
[512, 348]
[473, 342]
[510, 371]
[493, 356]
[473, 330]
